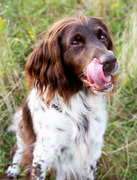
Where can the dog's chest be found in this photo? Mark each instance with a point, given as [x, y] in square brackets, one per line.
[86, 119]
[88, 116]
[74, 132]
[83, 118]
[85, 123]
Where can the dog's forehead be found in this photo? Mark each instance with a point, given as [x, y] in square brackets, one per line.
[89, 26]
[95, 22]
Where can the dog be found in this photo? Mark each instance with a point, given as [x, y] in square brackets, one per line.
[63, 118]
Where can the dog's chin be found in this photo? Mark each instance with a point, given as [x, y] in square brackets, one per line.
[106, 88]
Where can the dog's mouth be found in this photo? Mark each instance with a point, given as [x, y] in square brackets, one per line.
[97, 78]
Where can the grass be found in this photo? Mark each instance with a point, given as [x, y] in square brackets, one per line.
[21, 25]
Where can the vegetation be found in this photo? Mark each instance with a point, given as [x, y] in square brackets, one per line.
[22, 24]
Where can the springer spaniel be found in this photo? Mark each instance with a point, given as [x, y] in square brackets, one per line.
[63, 119]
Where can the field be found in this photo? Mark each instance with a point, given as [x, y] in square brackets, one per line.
[22, 24]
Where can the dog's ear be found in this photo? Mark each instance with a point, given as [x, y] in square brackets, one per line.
[44, 67]
[34, 67]
[110, 43]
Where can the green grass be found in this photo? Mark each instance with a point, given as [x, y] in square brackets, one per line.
[22, 23]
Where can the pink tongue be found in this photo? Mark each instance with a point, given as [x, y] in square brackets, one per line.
[96, 75]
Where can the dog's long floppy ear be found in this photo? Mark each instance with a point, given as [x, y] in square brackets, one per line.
[44, 68]
[110, 43]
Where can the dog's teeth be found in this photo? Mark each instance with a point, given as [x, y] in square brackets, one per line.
[108, 84]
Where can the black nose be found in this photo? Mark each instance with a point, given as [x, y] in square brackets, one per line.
[109, 62]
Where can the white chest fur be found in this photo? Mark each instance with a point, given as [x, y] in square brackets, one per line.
[72, 133]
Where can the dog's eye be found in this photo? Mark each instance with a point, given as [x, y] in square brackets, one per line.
[103, 37]
[77, 41]
[74, 42]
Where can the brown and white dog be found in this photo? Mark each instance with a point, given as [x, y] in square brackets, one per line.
[63, 119]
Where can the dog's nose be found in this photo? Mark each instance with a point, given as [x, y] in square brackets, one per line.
[109, 62]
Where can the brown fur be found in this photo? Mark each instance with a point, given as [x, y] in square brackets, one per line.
[29, 136]
[44, 67]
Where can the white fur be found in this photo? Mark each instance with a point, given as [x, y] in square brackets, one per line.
[14, 170]
[69, 139]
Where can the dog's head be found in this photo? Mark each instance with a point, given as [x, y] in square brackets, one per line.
[74, 51]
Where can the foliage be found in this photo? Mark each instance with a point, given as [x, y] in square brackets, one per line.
[22, 24]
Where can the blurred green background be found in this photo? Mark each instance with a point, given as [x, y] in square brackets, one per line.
[22, 23]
